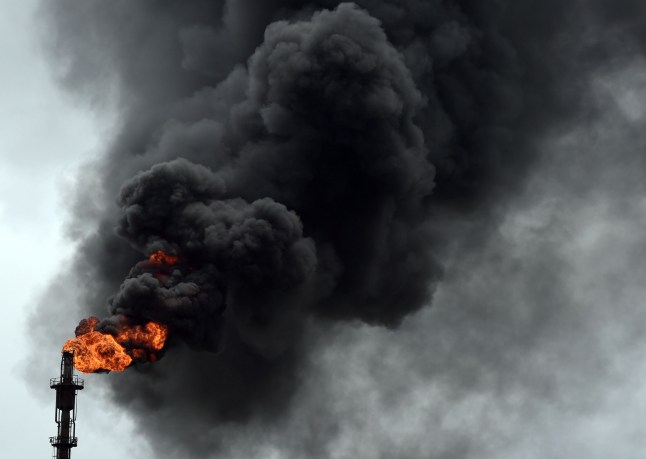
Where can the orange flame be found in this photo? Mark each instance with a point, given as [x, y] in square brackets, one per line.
[96, 351]
[162, 258]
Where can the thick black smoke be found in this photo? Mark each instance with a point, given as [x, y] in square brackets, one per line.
[307, 162]
[243, 265]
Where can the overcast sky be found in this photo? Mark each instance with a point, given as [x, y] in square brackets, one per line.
[44, 138]
[566, 265]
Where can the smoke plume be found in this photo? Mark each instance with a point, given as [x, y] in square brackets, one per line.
[309, 164]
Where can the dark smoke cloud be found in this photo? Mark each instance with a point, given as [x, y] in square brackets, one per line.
[310, 162]
[248, 260]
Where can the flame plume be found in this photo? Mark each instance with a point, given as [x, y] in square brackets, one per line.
[117, 349]
[162, 258]
[95, 351]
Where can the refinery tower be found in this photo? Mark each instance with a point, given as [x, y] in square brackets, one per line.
[66, 387]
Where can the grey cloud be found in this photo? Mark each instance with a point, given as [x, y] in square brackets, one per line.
[339, 163]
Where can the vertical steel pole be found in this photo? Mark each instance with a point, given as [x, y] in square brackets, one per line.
[67, 386]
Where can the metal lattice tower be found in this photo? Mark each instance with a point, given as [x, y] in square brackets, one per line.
[67, 386]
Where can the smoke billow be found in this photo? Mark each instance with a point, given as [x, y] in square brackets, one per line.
[307, 162]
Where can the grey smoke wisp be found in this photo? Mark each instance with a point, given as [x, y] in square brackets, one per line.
[311, 164]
